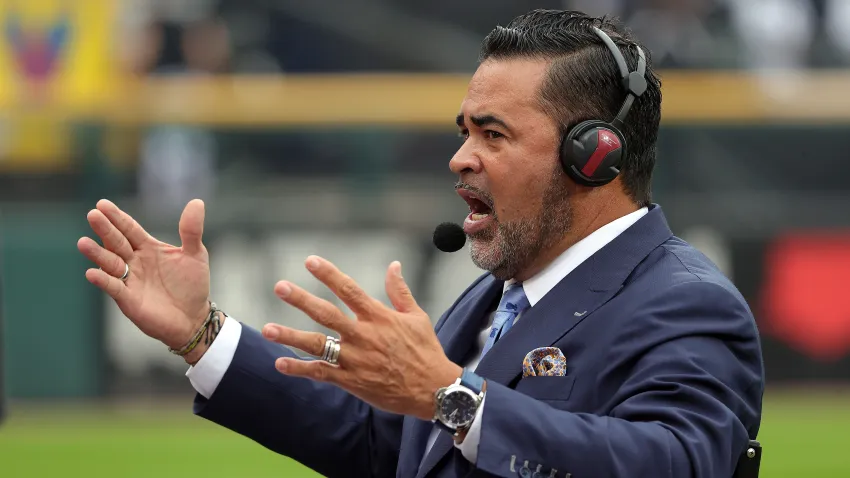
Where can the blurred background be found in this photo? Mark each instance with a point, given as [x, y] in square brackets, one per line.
[325, 126]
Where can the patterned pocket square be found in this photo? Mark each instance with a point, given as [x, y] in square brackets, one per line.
[544, 362]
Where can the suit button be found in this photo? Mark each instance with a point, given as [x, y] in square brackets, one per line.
[525, 472]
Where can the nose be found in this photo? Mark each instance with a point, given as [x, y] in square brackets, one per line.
[466, 160]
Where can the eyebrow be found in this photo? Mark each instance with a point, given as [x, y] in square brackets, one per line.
[482, 121]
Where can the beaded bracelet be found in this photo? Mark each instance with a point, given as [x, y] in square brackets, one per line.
[211, 327]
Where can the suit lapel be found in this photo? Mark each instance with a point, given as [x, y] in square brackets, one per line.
[458, 333]
[564, 307]
[573, 300]
[442, 445]
[413, 440]
[457, 336]
[546, 321]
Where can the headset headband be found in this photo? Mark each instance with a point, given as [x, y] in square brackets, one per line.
[633, 82]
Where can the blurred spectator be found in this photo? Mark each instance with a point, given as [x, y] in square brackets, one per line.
[267, 37]
[774, 33]
[178, 163]
[206, 47]
[597, 8]
[837, 26]
[681, 33]
[140, 48]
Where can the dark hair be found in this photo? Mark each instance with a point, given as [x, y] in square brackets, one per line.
[583, 81]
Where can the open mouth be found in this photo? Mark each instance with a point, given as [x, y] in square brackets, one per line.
[480, 211]
[478, 208]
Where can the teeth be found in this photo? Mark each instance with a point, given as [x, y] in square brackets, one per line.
[478, 216]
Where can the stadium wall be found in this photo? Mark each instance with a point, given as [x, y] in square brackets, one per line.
[728, 177]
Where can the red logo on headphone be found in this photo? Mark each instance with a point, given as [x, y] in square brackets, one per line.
[609, 139]
[606, 142]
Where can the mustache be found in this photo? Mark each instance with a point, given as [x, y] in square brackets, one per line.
[482, 195]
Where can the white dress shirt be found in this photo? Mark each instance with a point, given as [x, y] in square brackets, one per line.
[208, 372]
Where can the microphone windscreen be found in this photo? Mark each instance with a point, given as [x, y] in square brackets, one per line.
[449, 237]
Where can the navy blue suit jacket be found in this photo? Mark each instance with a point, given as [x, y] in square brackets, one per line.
[664, 380]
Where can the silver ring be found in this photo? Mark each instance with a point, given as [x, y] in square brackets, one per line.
[126, 272]
[331, 352]
[334, 360]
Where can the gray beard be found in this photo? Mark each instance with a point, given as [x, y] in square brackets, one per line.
[516, 244]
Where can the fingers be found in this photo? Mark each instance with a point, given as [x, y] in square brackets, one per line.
[192, 227]
[398, 291]
[341, 285]
[320, 310]
[105, 259]
[109, 284]
[311, 342]
[313, 369]
[112, 239]
[125, 224]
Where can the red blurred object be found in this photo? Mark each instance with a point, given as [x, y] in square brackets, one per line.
[806, 293]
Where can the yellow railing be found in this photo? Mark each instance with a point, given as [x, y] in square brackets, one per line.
[394, 100]
[433, 100]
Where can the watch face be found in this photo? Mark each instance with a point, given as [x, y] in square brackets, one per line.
[458, 408]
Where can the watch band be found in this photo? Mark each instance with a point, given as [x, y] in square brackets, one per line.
[475, 383]
[471, 381]
[444, 427]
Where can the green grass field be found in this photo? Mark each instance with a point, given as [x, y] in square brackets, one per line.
[804, 435]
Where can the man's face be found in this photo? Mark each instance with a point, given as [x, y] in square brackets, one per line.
[508, 168]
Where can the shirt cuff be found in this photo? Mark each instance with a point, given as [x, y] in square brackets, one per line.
[469, 446]
[208, 372]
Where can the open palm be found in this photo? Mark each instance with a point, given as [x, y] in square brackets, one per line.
[167, 291]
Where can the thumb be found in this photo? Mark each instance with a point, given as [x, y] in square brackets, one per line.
[397, 290]
[192, 227]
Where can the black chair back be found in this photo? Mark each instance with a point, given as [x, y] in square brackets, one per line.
[749, 461]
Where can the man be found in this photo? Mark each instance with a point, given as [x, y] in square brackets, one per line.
[598, 344]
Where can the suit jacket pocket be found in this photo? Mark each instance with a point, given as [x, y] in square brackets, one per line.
[547, 388]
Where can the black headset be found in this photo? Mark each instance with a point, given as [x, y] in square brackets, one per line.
[592, 150]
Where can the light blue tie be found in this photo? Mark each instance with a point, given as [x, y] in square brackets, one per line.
[512, 304]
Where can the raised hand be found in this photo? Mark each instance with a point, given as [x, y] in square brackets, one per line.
[390, 356]
[167, 290]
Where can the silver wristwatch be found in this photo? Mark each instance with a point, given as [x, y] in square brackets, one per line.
[457, 404]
